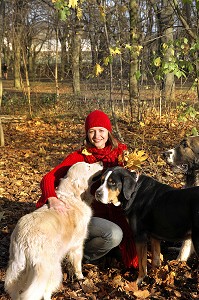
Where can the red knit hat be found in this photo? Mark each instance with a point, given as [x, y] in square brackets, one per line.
[98, 118]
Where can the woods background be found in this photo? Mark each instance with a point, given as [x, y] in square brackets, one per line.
[116, 51]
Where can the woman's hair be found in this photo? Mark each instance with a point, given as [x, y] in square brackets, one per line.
[111, 141]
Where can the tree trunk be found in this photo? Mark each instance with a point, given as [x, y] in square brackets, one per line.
[2, 15]
[17, 63]
[133, 83]
[63, 59]
[76, 48]
[168, 53]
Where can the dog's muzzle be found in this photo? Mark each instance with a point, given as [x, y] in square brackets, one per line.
[98, 195]
[169, 156]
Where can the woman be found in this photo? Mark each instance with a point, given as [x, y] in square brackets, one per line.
[108, 227]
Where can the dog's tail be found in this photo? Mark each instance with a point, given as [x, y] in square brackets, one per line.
[17, 264]
[42, 280]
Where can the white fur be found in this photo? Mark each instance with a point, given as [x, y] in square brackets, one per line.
[170, 158]
[103, 190]
[44, 237]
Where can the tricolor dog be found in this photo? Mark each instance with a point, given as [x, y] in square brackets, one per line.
[154, 210]
[44, 237]
[185, 158]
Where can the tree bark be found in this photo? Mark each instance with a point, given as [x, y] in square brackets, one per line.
[17, 63]
[75, 52]
[168, 54]
[133, 83]
[2, 15]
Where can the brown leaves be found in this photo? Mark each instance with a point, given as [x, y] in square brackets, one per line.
[35, 147]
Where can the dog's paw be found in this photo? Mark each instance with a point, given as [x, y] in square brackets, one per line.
[79, 276]
[139, 281]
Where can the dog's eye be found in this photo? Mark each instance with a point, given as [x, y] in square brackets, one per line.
[111, 183]
[184, 144]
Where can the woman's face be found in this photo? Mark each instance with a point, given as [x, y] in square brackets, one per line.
[98, 136]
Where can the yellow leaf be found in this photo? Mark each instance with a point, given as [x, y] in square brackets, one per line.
[102, 12]
[165, 46]
[135, 159]
[38, 123]
[85, 152]
[79, 13]
[106, 60]
[142, 124]
[72, 3]
[114, 51]
[98, 70]
[157, 62]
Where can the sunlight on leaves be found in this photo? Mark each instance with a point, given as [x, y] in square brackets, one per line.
[98, 70]
[157, 62]
[73, 3]
[133, 161]
[114, 51]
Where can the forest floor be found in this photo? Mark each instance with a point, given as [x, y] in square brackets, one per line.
[35, 146]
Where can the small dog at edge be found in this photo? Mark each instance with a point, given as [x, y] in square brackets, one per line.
[44, 237]
[185, 158]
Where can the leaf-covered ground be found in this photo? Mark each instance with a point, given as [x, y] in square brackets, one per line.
[33, 147]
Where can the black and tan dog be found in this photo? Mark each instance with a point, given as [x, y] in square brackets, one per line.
[185, 158]
[154, 210]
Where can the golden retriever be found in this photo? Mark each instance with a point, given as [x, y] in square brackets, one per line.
[44, 237]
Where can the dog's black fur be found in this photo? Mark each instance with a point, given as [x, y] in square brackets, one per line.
[154, 210]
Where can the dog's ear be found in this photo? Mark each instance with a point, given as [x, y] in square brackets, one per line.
[128, 186]
[194, 145]
[97, 177]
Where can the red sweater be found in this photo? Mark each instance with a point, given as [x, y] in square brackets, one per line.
[109, 157]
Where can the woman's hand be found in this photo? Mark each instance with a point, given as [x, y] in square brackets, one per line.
[55, 203]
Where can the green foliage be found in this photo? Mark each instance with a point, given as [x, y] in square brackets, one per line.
[181, 61]
[194, 131]
[186, 112]
[165, 65]
[138, 75]
[63, 9]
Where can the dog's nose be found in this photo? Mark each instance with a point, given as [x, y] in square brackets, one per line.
[167, 154]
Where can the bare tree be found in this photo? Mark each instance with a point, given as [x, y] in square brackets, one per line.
[133, 82]
[167, 20]
[2, 15]
[75, 53]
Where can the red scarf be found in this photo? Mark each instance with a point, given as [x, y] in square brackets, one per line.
[108, 155]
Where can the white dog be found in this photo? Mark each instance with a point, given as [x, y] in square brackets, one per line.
[44, 237]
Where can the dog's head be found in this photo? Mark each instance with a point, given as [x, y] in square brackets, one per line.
[79, 178]
[117, 186]
[185, 155]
